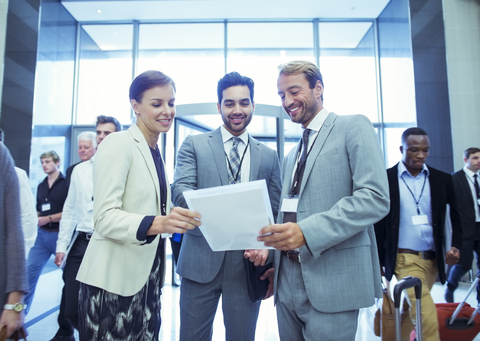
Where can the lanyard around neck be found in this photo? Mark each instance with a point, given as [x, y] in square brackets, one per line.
[417, 202]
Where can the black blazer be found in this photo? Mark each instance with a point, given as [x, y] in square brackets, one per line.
[465, 202]
[386, 230]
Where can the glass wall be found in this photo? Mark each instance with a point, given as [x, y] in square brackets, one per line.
[105, 73]
[348, 66]
[192, 54]
[363, 73]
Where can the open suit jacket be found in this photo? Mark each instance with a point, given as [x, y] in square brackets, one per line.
[465, 202]
[387, 230]
[126, 189]
[344, 191]
[201, 163]
[13, 274]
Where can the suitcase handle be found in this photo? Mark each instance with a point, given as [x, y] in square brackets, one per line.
[407, 283]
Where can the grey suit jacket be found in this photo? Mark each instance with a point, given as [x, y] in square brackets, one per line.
[344, 192]
[201, 164]
[13, 276]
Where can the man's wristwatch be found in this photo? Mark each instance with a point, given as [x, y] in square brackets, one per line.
[17, 307]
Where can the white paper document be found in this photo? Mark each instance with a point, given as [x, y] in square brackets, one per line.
[232, 215]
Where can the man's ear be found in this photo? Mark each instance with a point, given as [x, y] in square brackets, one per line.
[401, 149]
[219, 109]
[318, 89]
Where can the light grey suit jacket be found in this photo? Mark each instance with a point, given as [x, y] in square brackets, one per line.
[344, 192]
[201, 164]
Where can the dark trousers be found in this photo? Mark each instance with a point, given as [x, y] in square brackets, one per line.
[465, 264]
[68, 315]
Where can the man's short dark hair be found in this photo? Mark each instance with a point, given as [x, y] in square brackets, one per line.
[234, 79]
[471, 151]
[102, 119]
[412, 131]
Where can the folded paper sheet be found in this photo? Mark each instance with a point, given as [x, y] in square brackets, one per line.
[232, 215]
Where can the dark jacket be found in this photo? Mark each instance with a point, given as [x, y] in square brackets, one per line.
[464, 197]
[387, 230]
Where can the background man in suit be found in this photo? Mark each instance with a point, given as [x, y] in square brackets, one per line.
[208, 160]
[411, 237]
[77, 215]
[325, 267]
[467, 193]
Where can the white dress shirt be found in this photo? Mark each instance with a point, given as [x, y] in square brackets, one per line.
[418, 237]
[78, 208]
[28, 210]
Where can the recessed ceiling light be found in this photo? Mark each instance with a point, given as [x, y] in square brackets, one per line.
[99, 11]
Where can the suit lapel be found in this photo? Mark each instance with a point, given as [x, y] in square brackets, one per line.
[317, 147]
[466, 187]
[255, 158]
[144, 150]
[216, 145]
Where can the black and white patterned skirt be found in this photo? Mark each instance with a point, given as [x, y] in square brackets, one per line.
[104, 316]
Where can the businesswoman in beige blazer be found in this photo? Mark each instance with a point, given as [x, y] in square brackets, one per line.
[121, 274]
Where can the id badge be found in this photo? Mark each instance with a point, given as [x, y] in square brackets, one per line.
[90, 206]
[420, 219]
[289, 204]
[46, 207]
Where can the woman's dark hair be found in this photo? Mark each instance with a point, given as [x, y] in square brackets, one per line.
[148, 80]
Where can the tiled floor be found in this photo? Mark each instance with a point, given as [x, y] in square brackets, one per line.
[42, 320]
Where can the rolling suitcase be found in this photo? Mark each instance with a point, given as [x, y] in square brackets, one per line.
[406, 283]
[459, 321]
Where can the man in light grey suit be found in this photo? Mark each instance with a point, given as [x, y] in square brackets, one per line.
[334, 190]
[221, 157]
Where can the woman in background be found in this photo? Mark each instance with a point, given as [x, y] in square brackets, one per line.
[123, 269]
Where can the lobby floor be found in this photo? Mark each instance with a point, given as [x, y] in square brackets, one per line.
[41, 322]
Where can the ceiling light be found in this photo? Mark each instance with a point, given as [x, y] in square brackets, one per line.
[99, 11]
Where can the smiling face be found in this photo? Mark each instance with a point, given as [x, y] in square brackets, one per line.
[155, 111]
[236, 109]
[415, 152]
[299, 101]
[85, 150]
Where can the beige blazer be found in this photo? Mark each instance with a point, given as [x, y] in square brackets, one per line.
[126, 189]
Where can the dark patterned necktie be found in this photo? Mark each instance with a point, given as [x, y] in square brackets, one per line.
[297, 179]
[234, 175]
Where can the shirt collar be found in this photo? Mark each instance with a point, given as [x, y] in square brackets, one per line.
[469, 172]
[402, 169]
[226, 135]
[318, 120]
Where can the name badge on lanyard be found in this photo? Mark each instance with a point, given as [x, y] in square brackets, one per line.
[420, 219]
[290, 204]
[46, 207]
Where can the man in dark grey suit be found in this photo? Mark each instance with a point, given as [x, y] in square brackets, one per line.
[221, 157]
[334, 190]
[467, 193]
